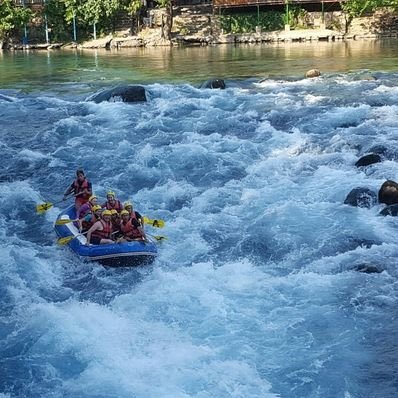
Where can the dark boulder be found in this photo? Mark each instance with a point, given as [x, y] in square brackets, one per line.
[368, 268]
[120, 94]
[213, 83]
[388, 193]
[391, 210]
[368, 159]
[361, 197]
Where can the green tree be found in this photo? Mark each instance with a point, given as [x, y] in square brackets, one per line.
[356, 8]
[99, 11]
[167, 19]
[12, 17]
[133, 7]
[55, 13]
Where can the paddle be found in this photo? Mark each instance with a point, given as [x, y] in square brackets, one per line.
[43, 207]
[157, 237]
[67, 239]
[154, 223]
[66, 221]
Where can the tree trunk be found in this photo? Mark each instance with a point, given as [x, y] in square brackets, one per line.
[348, 21]
[167, 22]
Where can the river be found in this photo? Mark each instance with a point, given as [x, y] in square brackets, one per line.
[255, 292]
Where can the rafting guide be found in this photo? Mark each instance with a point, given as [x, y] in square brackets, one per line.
[81, 189]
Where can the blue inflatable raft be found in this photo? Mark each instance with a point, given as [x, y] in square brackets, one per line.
[115, 255]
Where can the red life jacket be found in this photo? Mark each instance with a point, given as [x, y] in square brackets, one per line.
[106, 232]
[117, 206]
[129, 230]
[77, 187]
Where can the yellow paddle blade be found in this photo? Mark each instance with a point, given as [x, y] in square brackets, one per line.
[66, 240]
[154, 223]
[66, 221]
[43, 207]
[159, 237]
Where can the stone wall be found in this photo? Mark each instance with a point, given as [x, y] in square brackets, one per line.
[200, 21]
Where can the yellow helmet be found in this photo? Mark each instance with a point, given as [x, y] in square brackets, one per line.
[91, 198]
[114, 211]
[106, 213]
[96, 208]
[127, 204]
[123, 212]
[111, 193]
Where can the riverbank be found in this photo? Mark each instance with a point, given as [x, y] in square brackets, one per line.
[153, 39]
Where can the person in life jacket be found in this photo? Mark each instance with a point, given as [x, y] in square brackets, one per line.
[115, 223]
[81, 188]
[129, 207]
[90, 218]
[112, 202]
[101, 232]
[130, 227]
[86, 207]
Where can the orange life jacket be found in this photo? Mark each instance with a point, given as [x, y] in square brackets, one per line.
[129, 230]
[117, 206]
[106, 232]
[77, 187]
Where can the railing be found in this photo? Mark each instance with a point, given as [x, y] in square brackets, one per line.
[29, 2]
[243, 3]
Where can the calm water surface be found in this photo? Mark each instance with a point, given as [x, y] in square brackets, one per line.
[41, 69]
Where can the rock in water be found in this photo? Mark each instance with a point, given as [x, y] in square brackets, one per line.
[361, 197]
[368, 159]
[120, 93]
[368, 268]
[388, 193]
[213, 83]
[391, 210]
[313, 73]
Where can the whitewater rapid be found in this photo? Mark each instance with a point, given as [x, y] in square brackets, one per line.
[254, 293]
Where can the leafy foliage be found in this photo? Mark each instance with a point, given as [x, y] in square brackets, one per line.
[55, 11]
[133, 6]
[94, 11]
[12, 17]
[356, 8]
[247, 23]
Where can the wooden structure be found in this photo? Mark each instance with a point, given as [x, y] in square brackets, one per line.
[262, 3]
[29, 3]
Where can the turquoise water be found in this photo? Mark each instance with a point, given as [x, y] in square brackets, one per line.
[35, 70]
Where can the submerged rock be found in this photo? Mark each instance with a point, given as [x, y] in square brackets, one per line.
[368, 268]
[213, 83]
[368, 159]
[313, 73]
[121, 93]
[361, 197]
[391, 210]
[388, 192]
